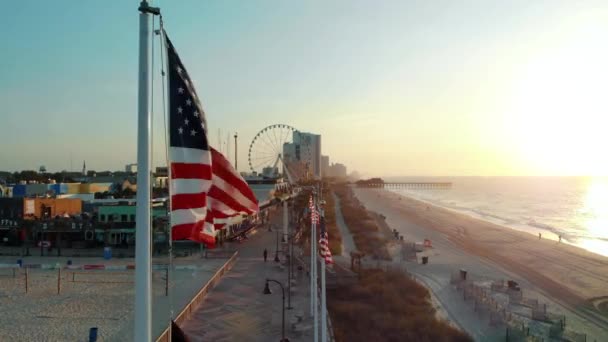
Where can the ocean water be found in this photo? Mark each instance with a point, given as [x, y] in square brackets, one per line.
[262, 191]
[574, 207]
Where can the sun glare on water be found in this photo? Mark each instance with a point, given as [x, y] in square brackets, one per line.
[596, 209]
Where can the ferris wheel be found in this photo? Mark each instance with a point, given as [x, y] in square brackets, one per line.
[278, 151]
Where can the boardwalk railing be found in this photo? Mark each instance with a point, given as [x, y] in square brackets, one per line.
[186, 313]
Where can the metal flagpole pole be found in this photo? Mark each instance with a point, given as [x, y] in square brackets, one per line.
[143, 259]
[323, 304]
[312, 270]
[316, 291]
[323, 294]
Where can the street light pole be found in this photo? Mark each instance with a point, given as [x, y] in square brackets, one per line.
[289, 271]
[267, 291]
[285, 223]
[236, 159]
[276, 254]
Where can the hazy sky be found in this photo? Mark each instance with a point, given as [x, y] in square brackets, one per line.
[394, 87]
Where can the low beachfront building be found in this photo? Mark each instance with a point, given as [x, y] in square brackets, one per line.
[115, 223]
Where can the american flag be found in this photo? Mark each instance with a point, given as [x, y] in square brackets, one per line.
[314, 215]
[204, 186]
[324, 244]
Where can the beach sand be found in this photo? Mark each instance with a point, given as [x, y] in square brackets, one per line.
[569, 279]
[43, 315]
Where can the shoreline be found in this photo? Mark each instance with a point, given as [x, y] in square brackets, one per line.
[571, 281]
[568, 273]
[547, 232]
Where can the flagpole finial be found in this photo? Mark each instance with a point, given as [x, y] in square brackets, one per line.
[145, 8]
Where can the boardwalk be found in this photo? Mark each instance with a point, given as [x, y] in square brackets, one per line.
[237, 310]
[348, 244]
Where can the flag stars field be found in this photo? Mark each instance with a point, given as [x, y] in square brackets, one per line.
[205, 189]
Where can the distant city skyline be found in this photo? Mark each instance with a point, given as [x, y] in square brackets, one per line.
[395, 88]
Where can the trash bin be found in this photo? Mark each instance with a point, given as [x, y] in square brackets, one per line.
[93, 332]
[425, 260]
[463, 274]
[107, 253]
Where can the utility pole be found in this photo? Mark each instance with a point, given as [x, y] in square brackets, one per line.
[236, 165]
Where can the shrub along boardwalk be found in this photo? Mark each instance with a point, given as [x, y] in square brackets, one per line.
[368, 237]
[382, 305]
[387, 306]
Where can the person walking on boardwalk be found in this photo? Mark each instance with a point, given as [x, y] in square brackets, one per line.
[265, 254]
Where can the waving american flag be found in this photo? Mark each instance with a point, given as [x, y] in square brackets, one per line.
[324, 244]
[204, 187]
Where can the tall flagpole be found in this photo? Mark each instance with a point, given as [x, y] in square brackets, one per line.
[323, 294]
[316, 291]
[323, 304]
[312, 268]
[143, 259]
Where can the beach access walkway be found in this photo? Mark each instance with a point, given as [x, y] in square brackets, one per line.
[348, 243]
[446, 258]
[237, 310]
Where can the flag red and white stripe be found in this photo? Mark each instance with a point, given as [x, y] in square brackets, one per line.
[189, 185]
[204, 195]
[205, 189]
[314, 214]
[229, 194]
[324, 248]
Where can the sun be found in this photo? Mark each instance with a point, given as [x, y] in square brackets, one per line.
[558, 109]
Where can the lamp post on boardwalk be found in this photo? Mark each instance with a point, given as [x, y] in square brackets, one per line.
[285, 223]
[289, 271]
[235, 155]
[276, 254]
[267, 292]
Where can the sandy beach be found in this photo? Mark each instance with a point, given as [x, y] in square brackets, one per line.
[102, 299]
[570, 280]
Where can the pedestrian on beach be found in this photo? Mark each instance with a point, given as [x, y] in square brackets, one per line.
[539, 235]
[560, 238]
[265, 254]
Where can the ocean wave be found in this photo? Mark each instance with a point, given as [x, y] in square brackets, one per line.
[486, 214]
[550, 228]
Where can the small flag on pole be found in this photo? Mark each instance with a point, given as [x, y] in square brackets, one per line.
[314, 214]
[324, 245]
[204, 187]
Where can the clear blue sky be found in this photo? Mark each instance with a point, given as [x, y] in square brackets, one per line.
[394, 87]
